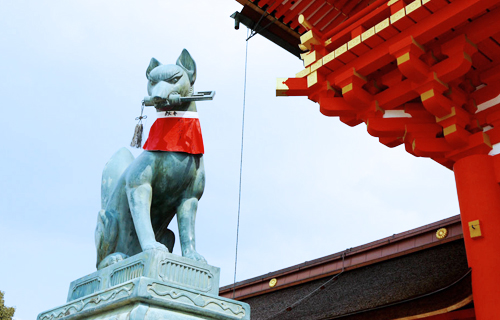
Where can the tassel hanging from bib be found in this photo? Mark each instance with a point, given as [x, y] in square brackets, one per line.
[137, 138]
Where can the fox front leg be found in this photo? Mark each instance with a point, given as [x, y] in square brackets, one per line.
[139, 194]
[186, 215]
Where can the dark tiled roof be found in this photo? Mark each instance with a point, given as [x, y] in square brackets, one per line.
[417, 283]
[409, 273]
[387, 248]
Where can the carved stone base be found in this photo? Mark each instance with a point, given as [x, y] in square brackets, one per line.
[149, 286]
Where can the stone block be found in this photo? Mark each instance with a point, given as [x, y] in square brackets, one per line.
[151, 285]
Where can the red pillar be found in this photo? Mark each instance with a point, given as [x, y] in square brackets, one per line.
[479, 199]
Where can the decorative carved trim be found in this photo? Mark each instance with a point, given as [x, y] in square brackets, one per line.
[82, 304]
[186, 275]
[126, 273]
[86, 287]
[185, 297]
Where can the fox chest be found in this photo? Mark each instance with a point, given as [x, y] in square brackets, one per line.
[175, 177]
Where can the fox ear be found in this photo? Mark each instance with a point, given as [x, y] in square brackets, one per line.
[186, 61]
[152, 64]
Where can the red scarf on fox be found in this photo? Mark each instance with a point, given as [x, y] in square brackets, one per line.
[178, 131]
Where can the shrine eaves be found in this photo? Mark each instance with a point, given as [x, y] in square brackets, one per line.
[422, 73]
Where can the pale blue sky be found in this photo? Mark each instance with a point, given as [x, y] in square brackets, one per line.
[72, 76]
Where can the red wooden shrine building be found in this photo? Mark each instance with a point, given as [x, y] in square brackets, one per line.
[424, 74]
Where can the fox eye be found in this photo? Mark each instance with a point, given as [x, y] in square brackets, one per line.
[173, 80]
[152, 82]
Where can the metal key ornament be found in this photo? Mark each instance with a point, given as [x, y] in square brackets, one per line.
[176, 99]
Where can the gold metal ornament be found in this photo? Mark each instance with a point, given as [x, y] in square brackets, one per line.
[273, 282]
[475, 229]
[442, 233]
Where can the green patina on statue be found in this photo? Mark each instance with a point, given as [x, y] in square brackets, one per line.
[138, 277]
[140, 197]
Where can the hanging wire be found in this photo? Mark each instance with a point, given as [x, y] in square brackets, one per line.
[321, 287]
[241, 164]
[250, 34]
[255, 28]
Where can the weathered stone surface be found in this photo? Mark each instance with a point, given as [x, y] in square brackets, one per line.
[156, 264]
[151, 285]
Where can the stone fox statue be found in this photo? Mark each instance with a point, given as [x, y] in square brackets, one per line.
[139, 197]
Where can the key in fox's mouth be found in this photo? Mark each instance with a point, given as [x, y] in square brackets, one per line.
[174, 98]
[160, 102]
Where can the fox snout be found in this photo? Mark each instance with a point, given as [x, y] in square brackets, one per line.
[167, 84]
[163, 90]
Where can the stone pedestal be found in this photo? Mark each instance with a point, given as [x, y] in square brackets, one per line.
[151, 285]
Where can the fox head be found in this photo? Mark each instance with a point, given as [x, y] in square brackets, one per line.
[167, 79]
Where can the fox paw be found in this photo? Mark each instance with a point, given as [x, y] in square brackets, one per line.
[155, 246]
[112, 259]
[195, 256]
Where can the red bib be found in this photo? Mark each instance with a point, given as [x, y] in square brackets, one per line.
[175, 132]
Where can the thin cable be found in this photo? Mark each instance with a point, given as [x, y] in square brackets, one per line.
[241, 165]
[257, 32]
[254, 30]
[321, 287]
